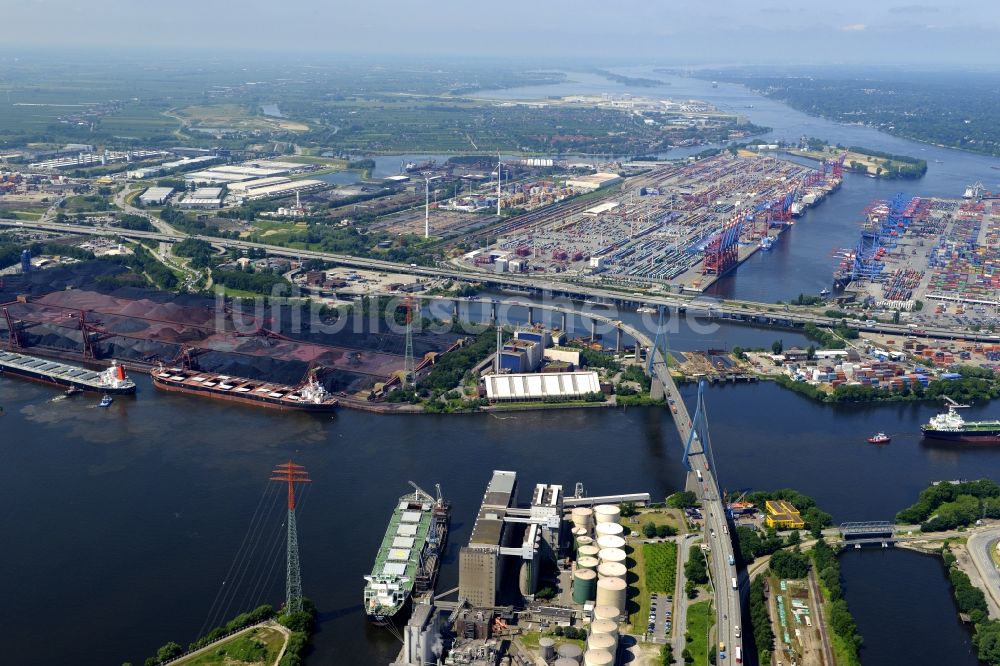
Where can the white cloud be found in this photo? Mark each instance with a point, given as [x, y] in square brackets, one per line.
[854, 27]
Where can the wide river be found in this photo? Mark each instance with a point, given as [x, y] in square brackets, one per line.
[121, 524]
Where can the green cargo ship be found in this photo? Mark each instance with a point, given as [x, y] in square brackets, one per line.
[410, 554]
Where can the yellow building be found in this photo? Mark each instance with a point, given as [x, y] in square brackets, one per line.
[782, 514]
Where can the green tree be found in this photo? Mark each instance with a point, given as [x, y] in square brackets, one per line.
[649, 530]
[683, 500]
[777, 346]
[789, 564]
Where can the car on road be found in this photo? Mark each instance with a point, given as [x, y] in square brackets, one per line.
[737, 631]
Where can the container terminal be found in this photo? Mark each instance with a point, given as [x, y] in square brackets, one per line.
[941, 253]
[572, 545]
[692, 224]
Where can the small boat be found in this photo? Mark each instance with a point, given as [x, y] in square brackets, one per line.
[824, 292]
[106, 401]
[879, 438]
[72, 390]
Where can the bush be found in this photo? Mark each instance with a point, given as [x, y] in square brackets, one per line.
[790, 564]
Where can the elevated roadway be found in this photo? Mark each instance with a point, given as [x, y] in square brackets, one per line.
[745, 312]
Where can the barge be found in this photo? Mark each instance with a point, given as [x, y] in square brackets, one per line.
[113, 380]
[309, 396]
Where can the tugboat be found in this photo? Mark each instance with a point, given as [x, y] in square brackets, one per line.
[72, 390]
[879, 438]
[106, 400]
[824, 292]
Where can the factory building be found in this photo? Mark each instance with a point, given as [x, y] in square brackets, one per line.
[521, 387]
[421, 637]
[204, 197]
[479, 567]
[782, 514]
[519, 355]
[155, 196]
[185, 163]
[593, 181]
[498, 542]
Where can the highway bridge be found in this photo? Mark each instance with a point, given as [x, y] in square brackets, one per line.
[744, 312]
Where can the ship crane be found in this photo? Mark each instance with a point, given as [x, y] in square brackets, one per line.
[423, 494]
[953, 404]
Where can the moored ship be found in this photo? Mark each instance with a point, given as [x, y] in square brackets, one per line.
[307, 396]
[409, 557]
[951, 426]
[113, 380]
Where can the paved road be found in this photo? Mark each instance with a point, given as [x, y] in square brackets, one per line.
[735, 311]
[980, 546]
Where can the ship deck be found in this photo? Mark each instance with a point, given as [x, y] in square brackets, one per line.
[236, 386]
[51, 369]
[405, 536]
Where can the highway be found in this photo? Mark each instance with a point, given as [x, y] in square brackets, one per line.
[980, 546]
[734, 311]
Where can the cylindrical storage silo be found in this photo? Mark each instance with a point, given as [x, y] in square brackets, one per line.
[584, 540]
[602, 642]
[606, 627]
[610, 541]
[609, 529]
[611, 570]
[584, 586]
[578, 532]
[565, 661]
[598, 658]
[607, 613]
[583, 517]
[611, 592]
[570, 651]
[528, 578]
[587, 563]
[548, 648]
[588, 550]
[612, 555]
[607, 513]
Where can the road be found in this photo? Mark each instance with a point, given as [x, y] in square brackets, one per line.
[735, 311]
[980, 546]
[161, 226]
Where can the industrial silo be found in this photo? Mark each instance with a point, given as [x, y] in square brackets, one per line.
[565, 661]
[609, 529]
[588, 563]
[584, 540]
[612, 555]
[587, 551]
[548, 648]
[578, 532]
[570, 651]
[528, 578]
[607, 613]
[611, 592]
[609, 541]
[598, 658]
[602, 642]
[612, 570]
[583, 517]
[584, 585]
[605, 627]
[607, 513]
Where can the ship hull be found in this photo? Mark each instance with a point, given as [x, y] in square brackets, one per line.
[62, 382]
[401, 613]
[246, 399]
[980, 437]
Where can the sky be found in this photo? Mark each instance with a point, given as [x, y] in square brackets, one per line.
[930, 32]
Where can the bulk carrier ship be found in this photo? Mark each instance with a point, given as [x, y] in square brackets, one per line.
[308, 396]
[113, 380]
[951, 426]
[410, 555]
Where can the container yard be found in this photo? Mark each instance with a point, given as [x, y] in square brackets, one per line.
[696, 222]
[942, 253]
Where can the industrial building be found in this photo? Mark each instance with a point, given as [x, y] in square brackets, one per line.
[593, 181]
[185, 163]
[155, 196]
[529, 386]
[782, 514]
[89, 159]
[205, 197]
[283, 189]
[520, 356]
[522, 535]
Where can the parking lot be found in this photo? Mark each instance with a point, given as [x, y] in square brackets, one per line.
[660, 619]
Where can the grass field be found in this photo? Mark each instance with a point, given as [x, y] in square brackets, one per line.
[226, 653]
[699, 619]
[655, 571]
[234, 116]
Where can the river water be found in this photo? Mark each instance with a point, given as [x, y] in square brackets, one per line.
[121, 524]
